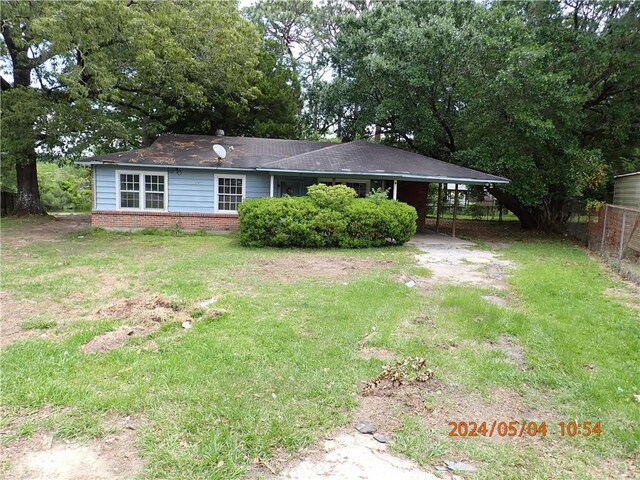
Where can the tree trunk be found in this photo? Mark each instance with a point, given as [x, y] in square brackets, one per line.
[528, 220]
[28, 198]
[146, 138]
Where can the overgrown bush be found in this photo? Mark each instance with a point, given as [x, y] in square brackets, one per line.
[336, 197]
[327, 217]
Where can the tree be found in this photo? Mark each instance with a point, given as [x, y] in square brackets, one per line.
[110, 74]
[541, 92]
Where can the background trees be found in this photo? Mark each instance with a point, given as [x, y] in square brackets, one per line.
[94, 76]
[543, 92]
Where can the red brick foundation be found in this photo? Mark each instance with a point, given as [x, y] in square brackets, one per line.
[186, 221]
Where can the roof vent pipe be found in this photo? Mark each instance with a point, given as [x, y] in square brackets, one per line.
[219, 133]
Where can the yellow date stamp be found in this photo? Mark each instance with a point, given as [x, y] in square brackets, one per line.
[524, 428]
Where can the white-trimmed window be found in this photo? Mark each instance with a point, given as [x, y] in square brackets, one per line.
[230, 192]
[141, 190]
[362, 187]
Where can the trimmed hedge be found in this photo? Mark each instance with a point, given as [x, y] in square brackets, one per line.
[328, 217]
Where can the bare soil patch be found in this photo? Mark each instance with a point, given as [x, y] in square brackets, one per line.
[377, 352]
[296, 267]
[629, 295]
[145, 315]
[50, 229]
[62, 310]
[114, 339]
[41, 457]
[151, 309]
[496, 300]
[511, 349]
[12, 313]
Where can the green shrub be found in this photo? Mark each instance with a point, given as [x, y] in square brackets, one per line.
[378, 194]
[336, 197]
[330, 217]
[374, 223]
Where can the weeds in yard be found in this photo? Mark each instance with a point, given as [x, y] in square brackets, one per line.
[276, 363]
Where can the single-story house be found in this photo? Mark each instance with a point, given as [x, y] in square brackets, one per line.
[188, 181]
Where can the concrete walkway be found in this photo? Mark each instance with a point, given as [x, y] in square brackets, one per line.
[354, 456]
[431, 238]
[453, 261]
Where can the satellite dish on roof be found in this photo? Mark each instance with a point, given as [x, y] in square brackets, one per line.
[220, 151]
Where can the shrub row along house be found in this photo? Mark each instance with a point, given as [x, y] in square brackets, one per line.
[180, 181]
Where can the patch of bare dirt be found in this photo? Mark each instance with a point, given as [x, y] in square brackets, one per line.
[151, 309]
[116, 338]
[12, 313]
[629, 296]
[377, 353]
[145, 314]
[41, 457]
[511, 349]
[496, 300]
[296, 267]
[62, 310]
[51, 229]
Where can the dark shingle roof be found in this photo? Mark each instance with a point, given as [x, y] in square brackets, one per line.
[197, 151]
[265, 154]
[364, 157]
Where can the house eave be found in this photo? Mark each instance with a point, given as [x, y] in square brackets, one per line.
[155, 165]
[330, 173]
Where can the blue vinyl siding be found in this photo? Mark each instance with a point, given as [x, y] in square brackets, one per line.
[105, 187]
[191, 191]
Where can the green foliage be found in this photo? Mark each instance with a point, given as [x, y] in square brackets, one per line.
[543, 93]
[378, 194]
[112, 74]
[65, 188]
[334, 197]
[328, 217]
[375, 223]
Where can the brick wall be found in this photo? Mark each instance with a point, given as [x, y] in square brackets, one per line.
[186, 221]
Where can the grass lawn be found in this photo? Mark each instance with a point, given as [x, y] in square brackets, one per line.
[281, 365]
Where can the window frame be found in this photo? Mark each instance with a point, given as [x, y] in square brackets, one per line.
[142, 192]
[216, 187]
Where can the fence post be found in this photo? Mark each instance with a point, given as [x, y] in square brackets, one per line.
[624, 227]
[604, 227]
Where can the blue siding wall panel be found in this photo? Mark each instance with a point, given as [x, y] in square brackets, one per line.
[105, 186]
[191, 191]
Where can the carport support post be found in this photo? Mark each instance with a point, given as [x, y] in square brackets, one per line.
[395, 189]
[438, 201]
[455, 211]
[271, 186]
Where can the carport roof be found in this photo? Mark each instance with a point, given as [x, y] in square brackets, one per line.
[360, 158]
